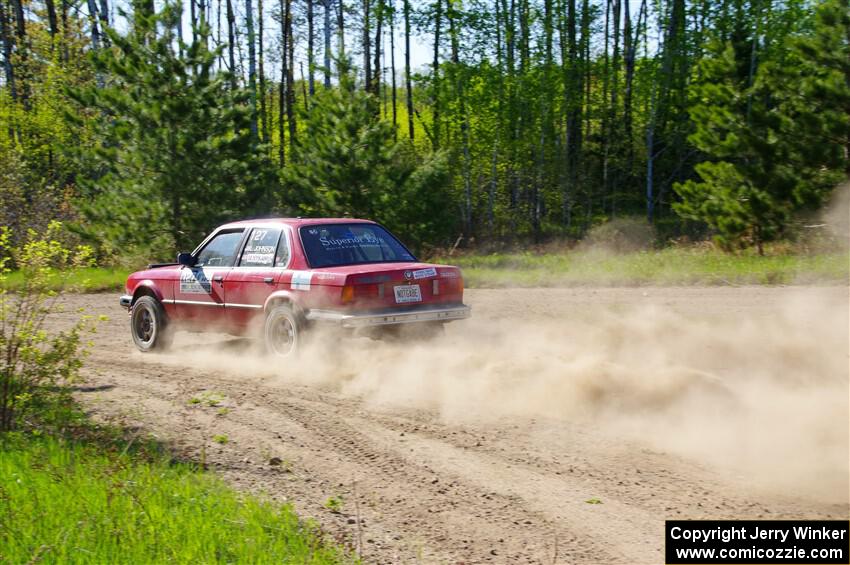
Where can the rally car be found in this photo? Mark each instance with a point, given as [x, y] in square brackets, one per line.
[283, 276]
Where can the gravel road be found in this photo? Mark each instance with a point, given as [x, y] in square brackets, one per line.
[555, 426]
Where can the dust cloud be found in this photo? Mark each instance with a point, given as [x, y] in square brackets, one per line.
[837, 215]
[761, 392]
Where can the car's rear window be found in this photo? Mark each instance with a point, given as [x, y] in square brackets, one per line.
[332, 245]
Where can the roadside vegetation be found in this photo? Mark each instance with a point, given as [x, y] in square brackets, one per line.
[72, 491]
[89, 279]
[74, 502]
[673, 266]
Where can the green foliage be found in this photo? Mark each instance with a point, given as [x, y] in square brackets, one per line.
[71, 503]
[764, 132]
[36, 366]
[549, 120]
[349, 164]
[85, 279]
[823, 109]
[334, 504]
[174, 155]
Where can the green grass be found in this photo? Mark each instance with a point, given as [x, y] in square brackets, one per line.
[64, 502]
[669, 267]
[92, 279]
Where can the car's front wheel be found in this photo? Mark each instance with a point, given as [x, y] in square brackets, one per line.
[149, 325]
[282, 331]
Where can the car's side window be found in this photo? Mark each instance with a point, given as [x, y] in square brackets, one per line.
[221, 250]
[260, 248]
[282, 257]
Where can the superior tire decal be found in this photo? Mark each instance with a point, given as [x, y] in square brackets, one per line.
[425, 273]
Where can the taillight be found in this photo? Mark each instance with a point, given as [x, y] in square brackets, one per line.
[460, 284]
[347, 293]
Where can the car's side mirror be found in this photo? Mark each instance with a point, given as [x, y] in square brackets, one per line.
[186, 259]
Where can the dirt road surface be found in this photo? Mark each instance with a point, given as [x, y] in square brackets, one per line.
[555, 426]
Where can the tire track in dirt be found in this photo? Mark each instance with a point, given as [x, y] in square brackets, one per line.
[406, 499]
[509, 489]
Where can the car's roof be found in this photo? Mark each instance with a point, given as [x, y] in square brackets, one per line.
[295, 222]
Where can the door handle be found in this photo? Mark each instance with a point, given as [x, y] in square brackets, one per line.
[219, 279]
[268, 280]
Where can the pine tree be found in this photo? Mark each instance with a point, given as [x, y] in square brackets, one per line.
[824, 108]
[353, 165]
[775, 133]
[176, 147]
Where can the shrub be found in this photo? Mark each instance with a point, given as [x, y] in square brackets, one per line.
[37, 366]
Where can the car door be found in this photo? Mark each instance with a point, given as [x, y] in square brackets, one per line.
[199, 293]
[256, 274]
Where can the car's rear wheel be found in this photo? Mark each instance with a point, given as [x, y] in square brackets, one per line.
[149, 325]
[282, 331]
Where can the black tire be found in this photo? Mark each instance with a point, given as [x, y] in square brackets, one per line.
[283, 331]
[149, 325]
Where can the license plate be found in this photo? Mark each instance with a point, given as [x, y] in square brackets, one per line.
[407, 293]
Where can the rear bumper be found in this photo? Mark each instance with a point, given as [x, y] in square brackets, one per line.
[125, 301]
[390, 317]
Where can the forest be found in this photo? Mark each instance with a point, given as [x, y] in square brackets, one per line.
[143, 125]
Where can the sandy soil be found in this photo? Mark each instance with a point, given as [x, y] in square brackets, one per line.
[556, 426]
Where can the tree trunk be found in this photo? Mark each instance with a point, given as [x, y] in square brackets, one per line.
[379, 15]
[435, 129]
[367, 51]
[500, 112]
[327, 49]
[66, 55]
[407, 80]
[464, 120]
[104, 20]
[218, 34]
[231, 43]
[204, 6]
[252, 66]
[264, 121]
[340, 25]
[585, 66]
[8, 42]
[281, 87]
[508, 12]
[52, 21]
[93, 21]
[573, 89]
[193, 20]
[392, 69]
[311, 60]
[290, 81]
[605, 134]
[613, 117]
[20, 21]
[629, 48]
[22, 51]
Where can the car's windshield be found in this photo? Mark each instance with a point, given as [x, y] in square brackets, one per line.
[331, 245]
